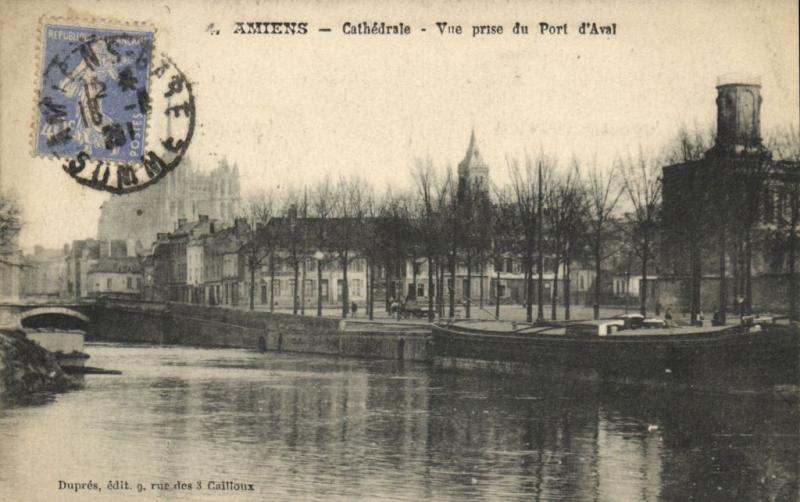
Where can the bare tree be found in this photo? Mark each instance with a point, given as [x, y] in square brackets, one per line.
[689, 144]
[602, 196]
[575, 230]
[563, 216]
[525, 193]
[10, 225]
[472, 216]
[503, 232]
[453, 231]
[322, 208]
[448, 234]
[290, 234]
[349, 205]
[642, 184]
[429, 197]
[544, 167]
[370, 247]
[259, 246]
[392, 232]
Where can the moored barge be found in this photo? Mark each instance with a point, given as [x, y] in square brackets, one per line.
[758, 353]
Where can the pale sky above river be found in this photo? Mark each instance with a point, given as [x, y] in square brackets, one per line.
[288, 109]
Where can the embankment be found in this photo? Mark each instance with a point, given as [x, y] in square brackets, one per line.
[142, 322]
[26, 368]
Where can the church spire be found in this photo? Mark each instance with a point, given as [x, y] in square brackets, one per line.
[473, 168]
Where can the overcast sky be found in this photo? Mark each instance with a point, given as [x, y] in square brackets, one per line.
[289, 109]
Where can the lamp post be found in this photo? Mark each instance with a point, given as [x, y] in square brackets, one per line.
[319, 256]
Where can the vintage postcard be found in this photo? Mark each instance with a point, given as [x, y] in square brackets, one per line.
[413, 250]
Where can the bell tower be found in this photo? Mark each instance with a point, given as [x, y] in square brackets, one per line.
[738, 114]
[473, 169]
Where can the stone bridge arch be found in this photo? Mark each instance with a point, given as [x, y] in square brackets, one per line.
[54, 317]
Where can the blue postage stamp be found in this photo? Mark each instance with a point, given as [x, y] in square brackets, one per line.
[94, 93]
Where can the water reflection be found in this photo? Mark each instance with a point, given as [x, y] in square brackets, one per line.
[322, 428]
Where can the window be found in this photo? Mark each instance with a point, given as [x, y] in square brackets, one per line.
[420, 290]
[263, 294]
[501, 290]
[108, 284]
[276, 288]
[139, 283]
[129, 282]
[355, 287]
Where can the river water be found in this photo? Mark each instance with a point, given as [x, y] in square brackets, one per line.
[321, 428]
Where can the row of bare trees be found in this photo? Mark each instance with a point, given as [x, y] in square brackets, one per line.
[549, 216]
[443, 224]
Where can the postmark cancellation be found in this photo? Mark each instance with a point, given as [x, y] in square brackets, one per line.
[114, 115]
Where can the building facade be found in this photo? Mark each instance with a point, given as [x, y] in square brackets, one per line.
[119, 277]
[82, 255]
[199, 263]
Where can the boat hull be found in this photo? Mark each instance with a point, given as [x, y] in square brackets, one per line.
[729, 357]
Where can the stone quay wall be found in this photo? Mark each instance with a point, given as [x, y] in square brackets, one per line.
[205, 326]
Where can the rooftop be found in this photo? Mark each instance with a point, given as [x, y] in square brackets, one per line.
[738, 78]
[117, 266]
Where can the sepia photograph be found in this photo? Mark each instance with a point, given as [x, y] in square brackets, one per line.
[414, 250]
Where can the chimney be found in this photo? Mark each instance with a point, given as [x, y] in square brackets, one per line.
[738, 113]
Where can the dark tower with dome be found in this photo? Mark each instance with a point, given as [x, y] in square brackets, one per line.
[726, 235]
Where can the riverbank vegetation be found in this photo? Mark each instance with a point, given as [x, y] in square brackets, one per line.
[26, 369]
